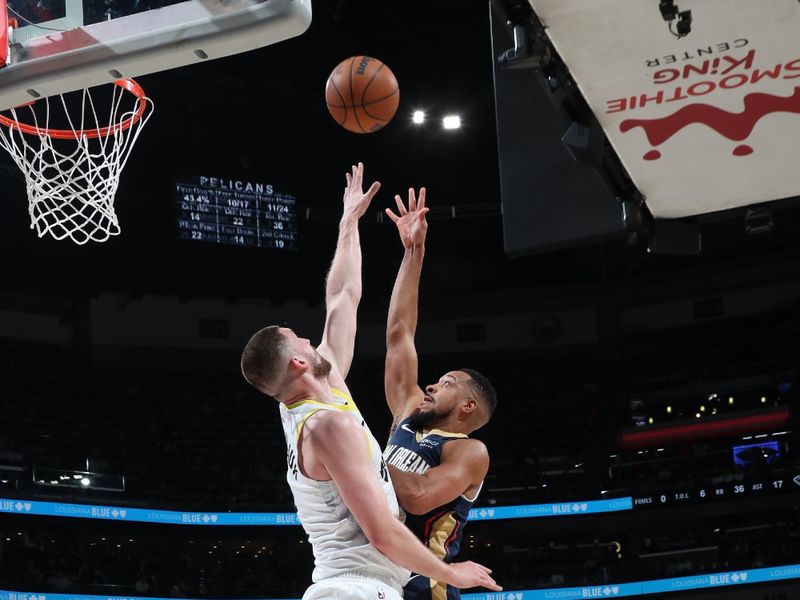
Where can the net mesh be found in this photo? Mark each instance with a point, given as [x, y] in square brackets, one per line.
[72, 174]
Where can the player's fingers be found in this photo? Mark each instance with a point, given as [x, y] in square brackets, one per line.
[422, 213]
[400, 206]
[392, 216]
[488, 581]
[360, 173]
[373, 189]
[483, 568]
[412, 200]
[349, 179]
[421, 199]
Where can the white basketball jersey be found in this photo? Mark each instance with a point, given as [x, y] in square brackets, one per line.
[340, 546]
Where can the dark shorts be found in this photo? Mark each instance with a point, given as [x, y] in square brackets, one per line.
[419, 588]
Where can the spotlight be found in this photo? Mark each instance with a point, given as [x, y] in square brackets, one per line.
[418, 117]
[451, 122]
[758, 221]
[670, 12]
[684, 25]
[668, 9]
[530, 50]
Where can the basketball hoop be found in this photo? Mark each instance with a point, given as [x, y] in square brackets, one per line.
[72, 172]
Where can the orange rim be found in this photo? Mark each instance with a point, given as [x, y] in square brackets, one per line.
[65, 134]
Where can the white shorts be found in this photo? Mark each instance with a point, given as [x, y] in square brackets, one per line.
[356, 588]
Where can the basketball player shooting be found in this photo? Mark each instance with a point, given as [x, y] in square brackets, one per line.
[340, 484]
[436, 469]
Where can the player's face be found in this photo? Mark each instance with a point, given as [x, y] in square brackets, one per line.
[320, 367]
[444, 396]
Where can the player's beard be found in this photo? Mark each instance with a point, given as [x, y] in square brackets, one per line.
[320, 367]
[427, 417]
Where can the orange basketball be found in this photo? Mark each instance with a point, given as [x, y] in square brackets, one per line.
[362, 94]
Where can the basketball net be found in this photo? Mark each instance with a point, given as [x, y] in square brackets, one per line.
[72, 173]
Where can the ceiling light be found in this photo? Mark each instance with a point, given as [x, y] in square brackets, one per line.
[451, 122]
[684, 25]
[418, 117]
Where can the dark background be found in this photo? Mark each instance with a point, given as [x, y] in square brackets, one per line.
[262, 116]
[187, 432]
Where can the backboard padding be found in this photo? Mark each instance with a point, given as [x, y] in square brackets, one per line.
[146, 42]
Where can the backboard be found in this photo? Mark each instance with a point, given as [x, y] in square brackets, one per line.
[65, 45]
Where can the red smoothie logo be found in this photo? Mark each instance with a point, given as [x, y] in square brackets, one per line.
[736, 127]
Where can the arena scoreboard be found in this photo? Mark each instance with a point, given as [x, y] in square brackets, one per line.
[238, 212]
[712, 491]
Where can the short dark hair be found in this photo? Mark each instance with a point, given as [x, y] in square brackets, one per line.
[483, 389]
[262, 358]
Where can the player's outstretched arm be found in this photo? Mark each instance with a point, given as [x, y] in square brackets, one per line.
[463, 466]
[403, 393]
[343, 287]
[339, 443]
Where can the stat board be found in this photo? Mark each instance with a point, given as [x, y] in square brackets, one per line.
[238, 212]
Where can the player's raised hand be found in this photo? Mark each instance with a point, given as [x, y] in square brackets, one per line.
[356, 201]
[469, 574]
[411, 222]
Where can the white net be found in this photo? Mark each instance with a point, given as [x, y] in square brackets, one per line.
[72, 173]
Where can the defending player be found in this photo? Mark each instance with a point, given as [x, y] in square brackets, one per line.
[436, 469]
[341, 489]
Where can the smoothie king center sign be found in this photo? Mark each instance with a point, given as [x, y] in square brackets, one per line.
[707, 122]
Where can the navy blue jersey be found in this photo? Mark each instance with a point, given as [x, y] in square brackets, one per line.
[440, 529]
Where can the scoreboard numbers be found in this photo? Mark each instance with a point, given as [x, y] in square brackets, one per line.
[236, 212]
[719, 491]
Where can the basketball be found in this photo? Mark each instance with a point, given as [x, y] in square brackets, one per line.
[362, 94]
